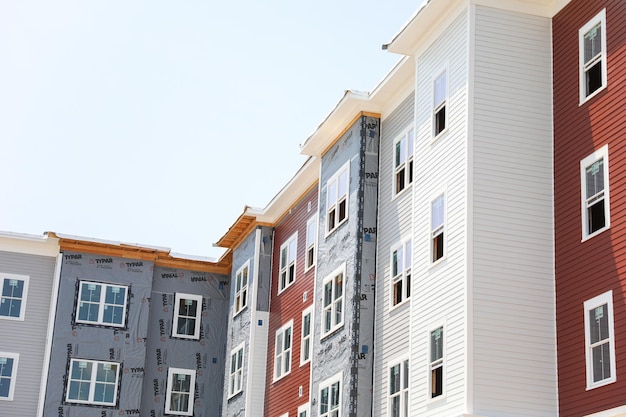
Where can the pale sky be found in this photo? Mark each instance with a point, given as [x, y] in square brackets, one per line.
[155, 122]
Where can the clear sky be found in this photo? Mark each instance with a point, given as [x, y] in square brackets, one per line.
[155, 122]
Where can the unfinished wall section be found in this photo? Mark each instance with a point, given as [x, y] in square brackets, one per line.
[202, 353]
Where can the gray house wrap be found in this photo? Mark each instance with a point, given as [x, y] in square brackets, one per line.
[126, 346]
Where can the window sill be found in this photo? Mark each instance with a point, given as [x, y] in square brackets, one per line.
[399, 306]
[336, 227]
[331, 332]
[307, 269]
[438, 262]
[237, 394]
[305, 362]
[280, 377]
[280, 291]
[592, 95]
[601, 383]
[596, 233]
[400, 194]
[439, 136]
[240, 311]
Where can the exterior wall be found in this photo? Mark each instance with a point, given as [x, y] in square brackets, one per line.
[126, 346]
[512, 285]
[283, 395]
[250, 325]
[351, 245]
[27, 337]
[439, 290]
[596, 265]
[206, 356]
[394, 227]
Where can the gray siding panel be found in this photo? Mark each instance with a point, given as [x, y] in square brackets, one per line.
[514, 339]
[27, 337]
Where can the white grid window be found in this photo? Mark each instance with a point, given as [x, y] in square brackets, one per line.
[305, 345]
[304, 410]
[438, 220]
[436, 362]
[235, 381]
[330, 397]
[440, 95]
[332, 308]
[311, 237]
[282, 356]
[337, 198]
[187, 312]
[8, 374]
[592, 56]
[594, 178]
[400, 273]
[600, 340]
[403, 161]
[399, 389]
[241, 288]
[103, 304]
[13, 290]
[181, 385]
[288, 255]
[93, 382]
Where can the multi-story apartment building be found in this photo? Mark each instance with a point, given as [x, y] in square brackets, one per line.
[589, 39]
[28, 269]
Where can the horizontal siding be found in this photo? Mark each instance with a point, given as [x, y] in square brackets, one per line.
[587, 269]
[514, 360]
[439, 291]
[27, 337]
[394, 225]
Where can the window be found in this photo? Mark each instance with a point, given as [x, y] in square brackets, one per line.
[439, 106]
[288, 252]
[311, 232]
[399, 389]
[437, 215]
[103, 304]
[337, 198]
[187, 311]
[305, 345]
[235, 382]
[436, 362]
[332, 309]
[403, 161]
[600, 340]
[594, 178]
[93, 382]
[592, 56]
[304, 410]
[181, 384]
[401, 273]
[13, 296]
[241, 288]
[8, 373]
[330, 397]
[282, 357]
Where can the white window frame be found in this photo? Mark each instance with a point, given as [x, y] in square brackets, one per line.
[402, 160]
[310, 258]
[435, 363]
[92, 381]
[177, 314]
[6, 298]
[242, 277]
[235, 380]
[336, 197]
[336, 303]
[102, 304]
[439, 230]
[591, 306]
[604, 195]
[11, 377]
[306, 340]
[283, 351]
[599, 19]
[169, 393]
[304, 410]
[401, 265]
[288, 264]
[440, 105]
[403, 390]
[328, 385]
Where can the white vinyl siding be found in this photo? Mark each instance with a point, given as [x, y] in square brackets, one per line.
[512, 218]
[592, 57]
[600, 340]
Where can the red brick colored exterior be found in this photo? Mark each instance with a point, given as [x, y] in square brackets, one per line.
[597, 265]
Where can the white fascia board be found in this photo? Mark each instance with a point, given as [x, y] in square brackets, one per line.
[543, 8]
[111, 242]
[43, 245]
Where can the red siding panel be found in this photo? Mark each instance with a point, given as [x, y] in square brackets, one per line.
[587, 269]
